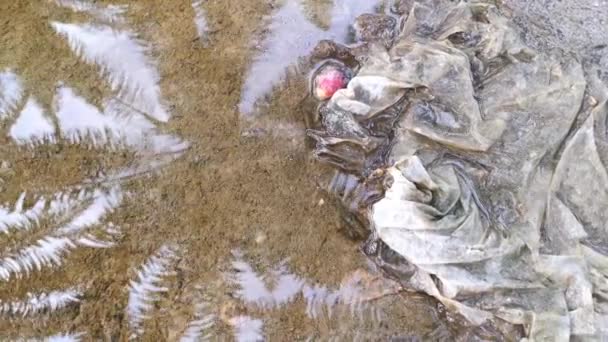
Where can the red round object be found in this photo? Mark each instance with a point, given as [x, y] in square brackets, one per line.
[328, 81]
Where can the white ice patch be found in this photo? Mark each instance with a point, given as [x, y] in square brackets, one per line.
[110, 13]
[19, 219]
[80, 120]
[200, 21]
[36, 304]
[144, 291]
[65, 337]
[292, 36]
[252, 287]
[103, 204]
[85, 227]
[278, 287]
[32, 126]
[116, 126]
[247, 329]
[198, 329]
[123, 60]
[11, 91]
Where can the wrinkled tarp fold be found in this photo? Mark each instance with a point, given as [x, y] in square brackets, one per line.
[498, 187]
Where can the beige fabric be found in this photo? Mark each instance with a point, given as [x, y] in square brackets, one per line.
[499, 188]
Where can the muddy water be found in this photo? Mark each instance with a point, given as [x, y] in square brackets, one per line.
[157, 184]
[151, 192]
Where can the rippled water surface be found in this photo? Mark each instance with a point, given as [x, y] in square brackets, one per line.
[156, 183]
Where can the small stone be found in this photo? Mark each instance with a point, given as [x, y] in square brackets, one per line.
[321, 202]
[260, 238]
[592, 101]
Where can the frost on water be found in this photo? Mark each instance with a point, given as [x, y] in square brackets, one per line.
[200, 21]
[199, 328]
[252, 287]
[145, 290]
[109, 14]
[103, 203]
[115, 126]
[11, 91]
[83, 227]
[278, 287]
[130, 73]
[46, 252]
[61, 337]
[19, 219]
[247, 329]
[291, 36]
[36, 304]
[76, 337]
[32, 126]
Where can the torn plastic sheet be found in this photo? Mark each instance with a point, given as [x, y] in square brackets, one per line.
[495, 168]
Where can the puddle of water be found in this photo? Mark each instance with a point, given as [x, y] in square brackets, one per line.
[291, 36]
[32, 126]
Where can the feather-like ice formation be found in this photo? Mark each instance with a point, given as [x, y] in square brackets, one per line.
[129, 72]
[252, 287]
[292, 36]
[139, 132]
[118, 125]
[106, 241]
[80, 120]
[200, 21]
[62, 337]
[46, 252]
[247, 329]
[198, 329]
[110, 13]
[19, 219]
[145, 290]
[50, 250]
[11, 91]
[76, 337]
[104, 202]
[63, 204]
[32, 127]
[40, 303]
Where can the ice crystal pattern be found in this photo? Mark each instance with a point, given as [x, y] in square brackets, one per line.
[41, 228]
[200, 21]
[11, 91]
[147, 287]
[129, 73]
[199, 328]
[40, 303]
[83, 212]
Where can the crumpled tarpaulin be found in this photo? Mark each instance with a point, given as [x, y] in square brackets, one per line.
[497, 189]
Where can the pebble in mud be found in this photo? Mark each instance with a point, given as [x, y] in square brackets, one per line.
[327, 80]
[260, 238]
